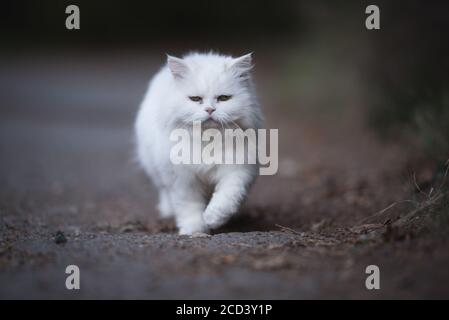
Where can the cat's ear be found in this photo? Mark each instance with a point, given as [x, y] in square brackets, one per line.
[243, 65]
[177, 66]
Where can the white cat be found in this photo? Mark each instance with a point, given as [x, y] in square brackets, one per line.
[218, 91]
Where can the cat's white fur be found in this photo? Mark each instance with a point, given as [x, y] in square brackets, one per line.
[200, 197]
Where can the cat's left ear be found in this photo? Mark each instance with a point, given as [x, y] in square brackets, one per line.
[243, 65]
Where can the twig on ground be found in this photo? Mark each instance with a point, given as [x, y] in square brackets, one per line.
[413, 213]
[431, 198]
[417, 186]
[288, 229]
[379, 213]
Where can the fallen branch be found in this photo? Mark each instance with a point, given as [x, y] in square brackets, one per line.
[288, 229]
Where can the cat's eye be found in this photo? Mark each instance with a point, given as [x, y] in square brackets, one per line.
[223, 98]
[196, 99]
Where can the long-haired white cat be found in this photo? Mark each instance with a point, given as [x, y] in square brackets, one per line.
[218, 91]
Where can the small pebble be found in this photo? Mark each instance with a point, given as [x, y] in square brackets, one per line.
[60, 238]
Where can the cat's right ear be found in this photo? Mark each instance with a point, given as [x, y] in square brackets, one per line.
[177, 66]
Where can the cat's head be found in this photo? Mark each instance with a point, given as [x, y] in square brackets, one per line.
[213, 89]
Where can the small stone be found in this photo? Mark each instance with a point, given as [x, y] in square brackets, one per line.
[60, 237]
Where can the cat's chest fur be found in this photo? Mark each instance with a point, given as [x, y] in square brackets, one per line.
[208, 174]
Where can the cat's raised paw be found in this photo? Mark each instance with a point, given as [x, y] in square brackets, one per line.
[213, 220]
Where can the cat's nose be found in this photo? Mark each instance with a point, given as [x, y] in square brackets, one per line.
[209, 110]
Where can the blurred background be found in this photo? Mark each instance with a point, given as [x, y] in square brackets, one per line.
[357, 110]
[313, 55]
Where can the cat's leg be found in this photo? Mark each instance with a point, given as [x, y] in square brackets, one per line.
[189, 203]
[229, 193]
[164, 205]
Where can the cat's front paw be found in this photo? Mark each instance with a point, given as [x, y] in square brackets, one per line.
[192, 229]
[200, 235]
[213, 219]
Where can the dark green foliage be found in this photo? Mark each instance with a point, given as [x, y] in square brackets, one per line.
[410, 78]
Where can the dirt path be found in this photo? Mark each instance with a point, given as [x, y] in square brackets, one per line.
[66, 165]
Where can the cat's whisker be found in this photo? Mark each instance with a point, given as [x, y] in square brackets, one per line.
[230, 119]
